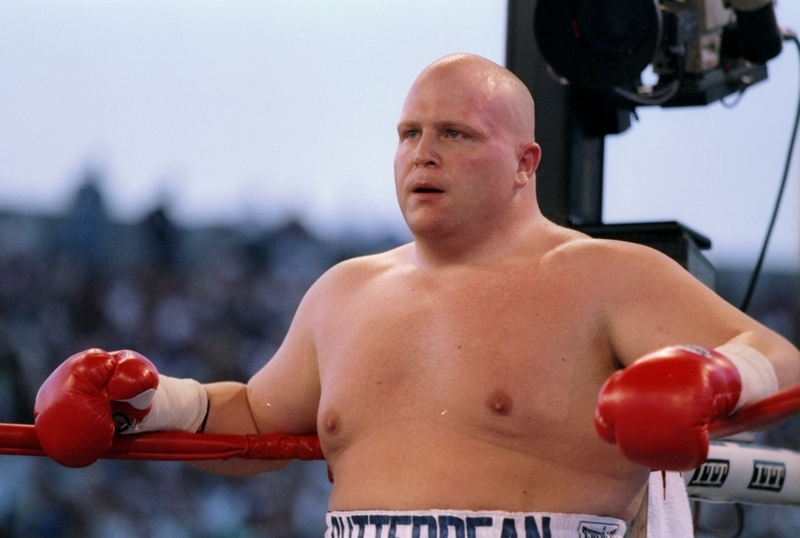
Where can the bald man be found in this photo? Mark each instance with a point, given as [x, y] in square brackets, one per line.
[453, 381]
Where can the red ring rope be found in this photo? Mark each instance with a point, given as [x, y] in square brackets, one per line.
[758, 415]
[21, 440]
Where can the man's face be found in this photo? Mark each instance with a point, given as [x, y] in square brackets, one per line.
[456, 157]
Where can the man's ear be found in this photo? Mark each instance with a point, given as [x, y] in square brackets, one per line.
[530, 154]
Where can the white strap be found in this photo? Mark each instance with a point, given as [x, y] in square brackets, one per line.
[758, 375]
[178, 405]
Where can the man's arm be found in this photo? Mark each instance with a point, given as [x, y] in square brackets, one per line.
[690, 359]
[658, 303]
[282, 397]
[229, 413]
[95, 394]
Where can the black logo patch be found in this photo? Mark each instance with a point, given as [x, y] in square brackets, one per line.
[711, 474]
[592, 529]
[767, 475]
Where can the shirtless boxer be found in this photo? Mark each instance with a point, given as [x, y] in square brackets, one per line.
[461, 371]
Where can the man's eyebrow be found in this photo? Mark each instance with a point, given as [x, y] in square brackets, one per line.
[407, 124]
[468, 128]
[457, 125]
[443, 125]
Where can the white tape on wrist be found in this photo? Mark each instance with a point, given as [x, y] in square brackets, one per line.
[178, 405]
[758, 375]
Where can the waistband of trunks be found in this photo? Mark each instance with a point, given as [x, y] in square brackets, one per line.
[469, 524]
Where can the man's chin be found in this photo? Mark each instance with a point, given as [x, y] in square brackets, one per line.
[429, 229]
[430, 221]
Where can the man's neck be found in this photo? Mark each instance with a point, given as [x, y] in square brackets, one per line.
[489, 247]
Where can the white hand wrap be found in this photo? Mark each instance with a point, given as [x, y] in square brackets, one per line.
[758, 374]
[177, 405]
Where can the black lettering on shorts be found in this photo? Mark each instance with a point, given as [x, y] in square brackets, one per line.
[509, 528]
[379, 521]
[532, 531]
[417, 522]
[394, 521]
[336, 529]
[445, 522]
[361, 523]
[475, 522]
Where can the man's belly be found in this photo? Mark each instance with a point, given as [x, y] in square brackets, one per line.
[419, 469]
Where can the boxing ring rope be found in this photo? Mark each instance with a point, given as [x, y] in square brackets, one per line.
[21, 440]
[744, 473]
[733, 472]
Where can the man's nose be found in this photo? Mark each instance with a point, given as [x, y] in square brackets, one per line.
[425, 152]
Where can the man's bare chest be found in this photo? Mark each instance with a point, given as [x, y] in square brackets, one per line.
[491, 351]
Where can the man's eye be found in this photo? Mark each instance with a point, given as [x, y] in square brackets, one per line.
[412, 134]
[453, 134]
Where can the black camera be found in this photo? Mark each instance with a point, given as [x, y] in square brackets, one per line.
[700, 50]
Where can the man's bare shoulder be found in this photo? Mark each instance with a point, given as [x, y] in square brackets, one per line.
[611, 265]
[349, 275]
[576, 247]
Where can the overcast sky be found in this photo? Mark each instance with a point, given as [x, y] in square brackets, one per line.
[234, 110]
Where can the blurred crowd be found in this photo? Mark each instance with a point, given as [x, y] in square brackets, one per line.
[209, 303]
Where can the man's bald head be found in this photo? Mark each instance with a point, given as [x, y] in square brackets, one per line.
[498, 86]
[466, 158]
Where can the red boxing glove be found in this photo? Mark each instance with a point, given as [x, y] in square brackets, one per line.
[78, 408]
[658, 409]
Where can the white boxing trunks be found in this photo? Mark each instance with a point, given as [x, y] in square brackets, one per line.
[466, 524]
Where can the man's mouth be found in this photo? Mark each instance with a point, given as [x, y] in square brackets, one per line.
[426, 190]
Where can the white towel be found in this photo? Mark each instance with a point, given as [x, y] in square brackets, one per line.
[668, 516]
